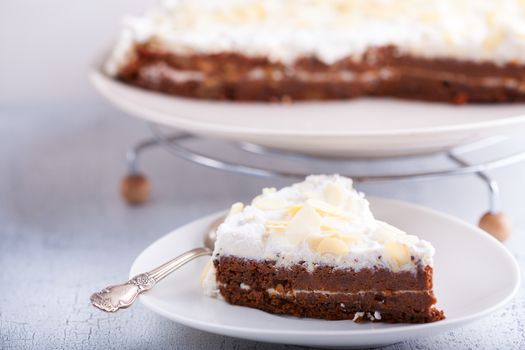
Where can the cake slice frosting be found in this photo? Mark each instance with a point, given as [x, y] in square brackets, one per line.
[314, 249]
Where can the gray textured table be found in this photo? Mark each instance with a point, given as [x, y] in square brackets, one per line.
[64, 232]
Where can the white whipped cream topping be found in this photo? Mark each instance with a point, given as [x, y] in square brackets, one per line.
[321, 221]
[283, 30]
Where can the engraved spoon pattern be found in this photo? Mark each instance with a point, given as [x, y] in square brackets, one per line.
[116, 297]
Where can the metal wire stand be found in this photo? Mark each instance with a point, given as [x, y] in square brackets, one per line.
[135, 187]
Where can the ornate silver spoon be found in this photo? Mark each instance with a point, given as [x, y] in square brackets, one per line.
[113, 298]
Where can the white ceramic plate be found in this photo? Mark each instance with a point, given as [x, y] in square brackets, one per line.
[363, 127]
[468, 285]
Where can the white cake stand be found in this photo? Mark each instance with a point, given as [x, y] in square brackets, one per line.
[361, 128]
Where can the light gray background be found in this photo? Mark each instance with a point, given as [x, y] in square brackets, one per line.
[46, 46]
[64, 231]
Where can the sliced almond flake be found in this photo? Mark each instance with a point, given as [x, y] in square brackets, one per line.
[314, 240]
[350, 239]
[277, 222]
[328, 209]
[329, 245]
[276, 228]
[329, 229]
[307, 221]
[397, 253]
[276, 231]
[293, 209]
[333, 223]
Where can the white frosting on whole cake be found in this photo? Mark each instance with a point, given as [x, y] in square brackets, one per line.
[283, 30]
[321, 221]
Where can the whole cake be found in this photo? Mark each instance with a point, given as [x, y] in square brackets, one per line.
[285, 50]
[314, 249]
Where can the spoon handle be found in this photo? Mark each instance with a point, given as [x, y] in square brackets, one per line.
[165, 269]
[113, 298]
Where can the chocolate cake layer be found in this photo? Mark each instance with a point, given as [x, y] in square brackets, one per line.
[328, 292]
[380, 72]
[298, 277]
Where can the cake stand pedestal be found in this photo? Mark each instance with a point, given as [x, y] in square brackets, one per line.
[135, 187]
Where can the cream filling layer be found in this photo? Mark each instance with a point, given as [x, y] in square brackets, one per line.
[293, 293]
[161, 71]
[486, 81]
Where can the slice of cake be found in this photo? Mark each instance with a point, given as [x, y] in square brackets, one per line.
[283, 50]
[314, 249]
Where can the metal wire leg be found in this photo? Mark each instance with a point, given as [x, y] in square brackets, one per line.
[135, 187]
[492, 185]
[132, 155]
[493, 221]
